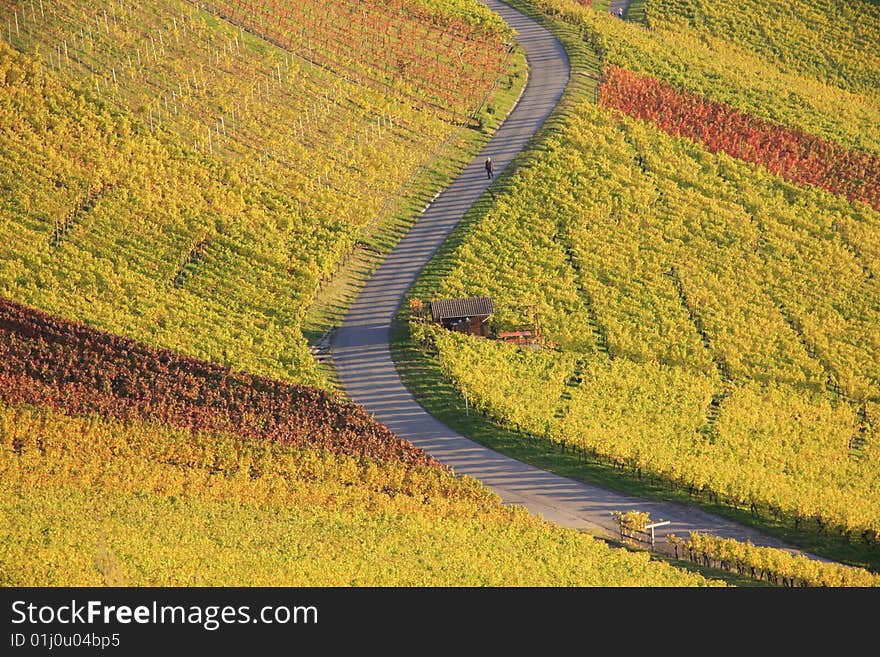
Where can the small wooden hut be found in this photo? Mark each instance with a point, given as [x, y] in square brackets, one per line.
[469, 315]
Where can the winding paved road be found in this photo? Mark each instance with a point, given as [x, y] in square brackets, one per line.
[362, 356]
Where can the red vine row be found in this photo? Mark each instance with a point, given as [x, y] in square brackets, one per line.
[793, 154]
[45, 360]
[447, 61]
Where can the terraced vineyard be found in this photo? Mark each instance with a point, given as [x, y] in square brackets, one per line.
[715, 325]
[177, 178]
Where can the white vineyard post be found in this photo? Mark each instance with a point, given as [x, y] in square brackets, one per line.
[653, 525]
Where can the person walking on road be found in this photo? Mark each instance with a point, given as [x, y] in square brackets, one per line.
[490, 168]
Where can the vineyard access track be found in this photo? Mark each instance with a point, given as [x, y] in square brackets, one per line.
[362, 356]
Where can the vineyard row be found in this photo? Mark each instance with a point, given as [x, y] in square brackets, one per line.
[49, 361]
[793, 154]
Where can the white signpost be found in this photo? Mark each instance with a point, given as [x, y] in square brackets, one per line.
[653, 525]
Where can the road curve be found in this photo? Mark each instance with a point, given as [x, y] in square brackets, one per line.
[362, 356]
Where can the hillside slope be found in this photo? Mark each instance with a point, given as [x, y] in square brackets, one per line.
[707, 325]
[192, 182]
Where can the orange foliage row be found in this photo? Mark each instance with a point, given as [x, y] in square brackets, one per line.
[49, 361]
[447, 61]
[793, 154]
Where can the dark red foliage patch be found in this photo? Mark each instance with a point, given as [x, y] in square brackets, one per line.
[45, 360]
[793, 154]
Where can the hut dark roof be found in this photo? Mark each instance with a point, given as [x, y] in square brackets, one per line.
[457, 308]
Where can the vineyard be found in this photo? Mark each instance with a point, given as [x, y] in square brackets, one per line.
[700, 238]
[246, 170]
[716, 69]
[122, 464]
[715, 324]
[408, 47]
[796, 156]
[774, 565]
[834, 41]
[189, 180]
[768, 564]
[706, 352]
[92, 501]
[47, 361]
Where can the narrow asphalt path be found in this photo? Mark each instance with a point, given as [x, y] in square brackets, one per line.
[362, 355]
